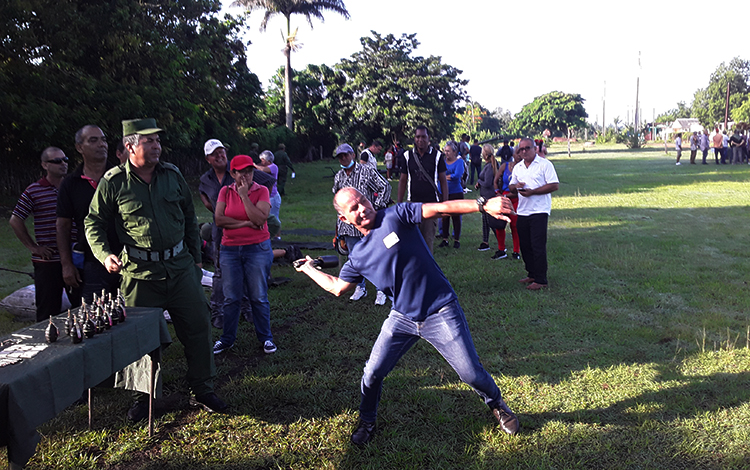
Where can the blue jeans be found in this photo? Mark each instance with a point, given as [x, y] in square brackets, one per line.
[448, 332]
[276, 205]
[350, 242]
[245, 269]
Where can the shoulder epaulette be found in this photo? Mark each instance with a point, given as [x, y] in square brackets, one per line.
[113, 172]
[170, 166]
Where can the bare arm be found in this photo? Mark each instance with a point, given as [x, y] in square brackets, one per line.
[498, 207]
[547, 188]
[19, 228]
[332, 284]
[70, 272]
[207, 203]
[443, 185]
[224, 221]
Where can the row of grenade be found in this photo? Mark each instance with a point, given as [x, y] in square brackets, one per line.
[103, 313]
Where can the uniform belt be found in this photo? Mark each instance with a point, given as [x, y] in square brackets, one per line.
[146, 255]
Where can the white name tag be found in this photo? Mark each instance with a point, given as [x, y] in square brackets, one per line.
[390, 240]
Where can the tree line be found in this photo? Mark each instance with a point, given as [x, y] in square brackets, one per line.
[66, 64]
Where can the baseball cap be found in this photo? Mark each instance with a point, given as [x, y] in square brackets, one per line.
[211, 145]
[240, 162]
[343, 148]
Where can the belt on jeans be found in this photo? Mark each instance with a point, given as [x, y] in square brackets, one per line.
[146, 255]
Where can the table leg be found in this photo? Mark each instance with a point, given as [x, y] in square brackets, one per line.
[91, 405]
[151, 398]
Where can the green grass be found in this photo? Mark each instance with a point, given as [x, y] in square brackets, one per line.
[636, 357]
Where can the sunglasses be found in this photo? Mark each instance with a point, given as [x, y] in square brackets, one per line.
[57, 161]
[523, 149]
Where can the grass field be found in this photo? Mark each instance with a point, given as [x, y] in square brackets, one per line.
[636, 357]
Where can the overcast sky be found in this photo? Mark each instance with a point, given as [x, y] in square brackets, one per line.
[511, 52]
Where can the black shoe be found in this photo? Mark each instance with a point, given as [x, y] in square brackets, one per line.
[499, 254]
[516, 255]
[443, 244]
[507, 419]
[456, 244]
[209, 402]
[138, 412]
[292, 254]
[364, 433]
[483, 247]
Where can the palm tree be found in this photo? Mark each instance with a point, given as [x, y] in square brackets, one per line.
[308, 8]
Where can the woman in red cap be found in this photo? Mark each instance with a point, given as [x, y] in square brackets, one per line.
[246, 255]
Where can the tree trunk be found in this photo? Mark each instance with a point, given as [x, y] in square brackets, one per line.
[288, 77]
[568, 143]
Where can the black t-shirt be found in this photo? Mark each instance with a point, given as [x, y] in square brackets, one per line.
[73, 200]
[736, 140]
[421, 189]
[476, 154]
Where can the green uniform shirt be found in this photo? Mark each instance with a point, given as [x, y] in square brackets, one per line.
[152, 217]
[281, 159]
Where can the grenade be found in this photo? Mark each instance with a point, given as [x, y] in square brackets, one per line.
[51, 332]
[76, 333]
[108, 322]
[328, 261]
[121, 309]
[68, 324]
[89, 328]
[99, 323]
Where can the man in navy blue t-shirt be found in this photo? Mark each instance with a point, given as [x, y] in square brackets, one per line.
[393, 255]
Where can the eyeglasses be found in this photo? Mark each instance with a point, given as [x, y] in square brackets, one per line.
[57, 161]
[523, 149]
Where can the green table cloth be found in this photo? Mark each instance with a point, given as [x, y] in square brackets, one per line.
[37, 389]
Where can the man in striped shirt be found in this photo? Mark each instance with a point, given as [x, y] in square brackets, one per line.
[40, 200]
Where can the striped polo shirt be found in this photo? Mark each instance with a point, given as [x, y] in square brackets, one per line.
[40, 200]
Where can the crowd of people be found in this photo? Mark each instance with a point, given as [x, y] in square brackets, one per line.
[133, 226]
[732, 150]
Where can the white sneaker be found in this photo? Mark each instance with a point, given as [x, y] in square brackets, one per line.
[380, 298]
[678, 163]
[358, 294]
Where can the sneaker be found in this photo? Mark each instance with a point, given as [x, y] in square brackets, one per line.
[269, 347]
[678, 163]
[500, 254]
[483, 247]
[292, 254]
[380, 298]
[359, 292]
[456, 245]
[209, 402]
[364, 433]
[220, 347]
[515, 255]
[443, 244]
[507, 419]
[138, 412]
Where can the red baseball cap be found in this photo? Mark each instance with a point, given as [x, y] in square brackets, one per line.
[240, 162]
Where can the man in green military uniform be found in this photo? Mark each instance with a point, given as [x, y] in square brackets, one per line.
[160, 263]
[281, 159]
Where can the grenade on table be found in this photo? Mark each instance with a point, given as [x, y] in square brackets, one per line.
[327, 261]
[76, 333]
[109, 321]
[102, 311]
[69, 323]
[51, 333]
[99, 322]
[89, 328]
[121, 308]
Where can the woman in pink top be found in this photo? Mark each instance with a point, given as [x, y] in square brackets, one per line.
[246, 256]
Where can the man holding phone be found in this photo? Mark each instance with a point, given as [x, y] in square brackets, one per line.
[534, 179]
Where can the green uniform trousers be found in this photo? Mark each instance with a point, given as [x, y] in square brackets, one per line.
[184, 298]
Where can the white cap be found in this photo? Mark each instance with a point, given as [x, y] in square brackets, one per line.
[211, 145]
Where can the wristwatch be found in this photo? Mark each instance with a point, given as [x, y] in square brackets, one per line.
[481, 201]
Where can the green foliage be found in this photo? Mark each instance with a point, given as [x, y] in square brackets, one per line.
[556, 111]
[384, 91]
[478, 122]
[67, 64]
[681, 111]
[709, 103]
[632, 138]
[742, 114]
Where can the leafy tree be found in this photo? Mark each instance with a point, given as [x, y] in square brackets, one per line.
[66, 64]
[385, 91]
[557, 111]
[709, 103]
[742, 114]
[681, 111]
[306, 8]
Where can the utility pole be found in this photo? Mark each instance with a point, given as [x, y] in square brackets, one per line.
[604, 106]
[637, 90]
[726, 108]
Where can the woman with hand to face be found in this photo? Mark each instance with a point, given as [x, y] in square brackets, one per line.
[246, 256]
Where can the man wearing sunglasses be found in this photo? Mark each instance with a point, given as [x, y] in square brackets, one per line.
[85, 272]
[534, 179]
[39, 200]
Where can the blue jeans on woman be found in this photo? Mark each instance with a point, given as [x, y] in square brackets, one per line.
[447, 331]
[245, 269]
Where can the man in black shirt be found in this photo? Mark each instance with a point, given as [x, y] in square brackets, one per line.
[73, 201]
[475, 159]
[423, 178]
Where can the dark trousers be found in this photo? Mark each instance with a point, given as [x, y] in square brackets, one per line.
[532, 234]
[717, 154]
[48, 287]
[456, 220]
[95, 279]
[705, 154]
[474, 167]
